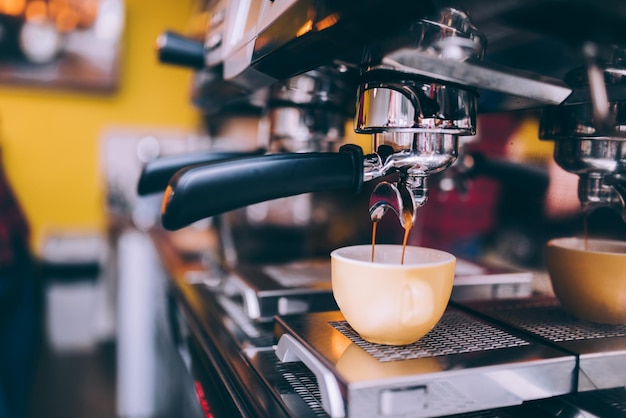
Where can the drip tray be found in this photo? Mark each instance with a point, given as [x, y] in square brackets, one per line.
[464, 364]
[281, 289]
[298, 387]
[600, 348]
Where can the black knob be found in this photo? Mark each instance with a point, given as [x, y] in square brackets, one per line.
[176, 49]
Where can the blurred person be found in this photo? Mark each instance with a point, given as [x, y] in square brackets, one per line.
[18, 306]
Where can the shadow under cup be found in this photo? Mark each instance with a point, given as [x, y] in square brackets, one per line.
[387, 302]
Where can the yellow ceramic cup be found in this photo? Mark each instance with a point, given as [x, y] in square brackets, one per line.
[589, 282]
[387, 302]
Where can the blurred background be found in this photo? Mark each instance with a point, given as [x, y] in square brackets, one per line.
[80, 88]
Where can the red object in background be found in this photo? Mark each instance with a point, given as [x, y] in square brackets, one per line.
[206, 409]
[448, 217]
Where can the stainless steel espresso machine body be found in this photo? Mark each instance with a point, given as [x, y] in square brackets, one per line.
[417, 74]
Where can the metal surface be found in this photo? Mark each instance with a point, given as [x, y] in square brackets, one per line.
[261, 291]
[464, 364]
[590, 141]
[434, 112]
[280, 289]
[293, 383]
[294, 380]
[218, 340]
[308, 112]
[398, 198]
[232, 357]
[600, 349]
[482, 282]
[412, 106]
[539, 89]
[279, 40]
[467, 365]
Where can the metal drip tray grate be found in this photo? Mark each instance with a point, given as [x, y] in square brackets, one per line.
[600, 348]
[456, 333]
[304, 383]
[464, 364]
[549, 320]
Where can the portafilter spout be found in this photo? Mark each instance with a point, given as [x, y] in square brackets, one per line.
[415, 156]
[398, 198]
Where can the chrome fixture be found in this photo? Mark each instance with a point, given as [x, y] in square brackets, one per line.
[418, 118]
[590, 137]
[308, 112]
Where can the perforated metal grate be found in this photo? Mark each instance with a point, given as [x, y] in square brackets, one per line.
[456, 333]
[550, 321]
[304, 383]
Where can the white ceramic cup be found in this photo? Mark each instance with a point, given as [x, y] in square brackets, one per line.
[387, 302]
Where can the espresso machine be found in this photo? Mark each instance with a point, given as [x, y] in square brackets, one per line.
[292, 217]
[419, 72]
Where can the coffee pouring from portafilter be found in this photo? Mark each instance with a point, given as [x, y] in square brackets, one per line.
[425, 116]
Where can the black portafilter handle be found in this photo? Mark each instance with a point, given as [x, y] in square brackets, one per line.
[156, 174]
[202, 191]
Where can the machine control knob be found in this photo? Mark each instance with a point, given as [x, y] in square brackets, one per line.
[176, 49]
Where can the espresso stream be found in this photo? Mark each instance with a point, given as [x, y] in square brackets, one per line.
[586, 231]
[408, 225]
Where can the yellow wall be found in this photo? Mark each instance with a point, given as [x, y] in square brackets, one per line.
[50, 138]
